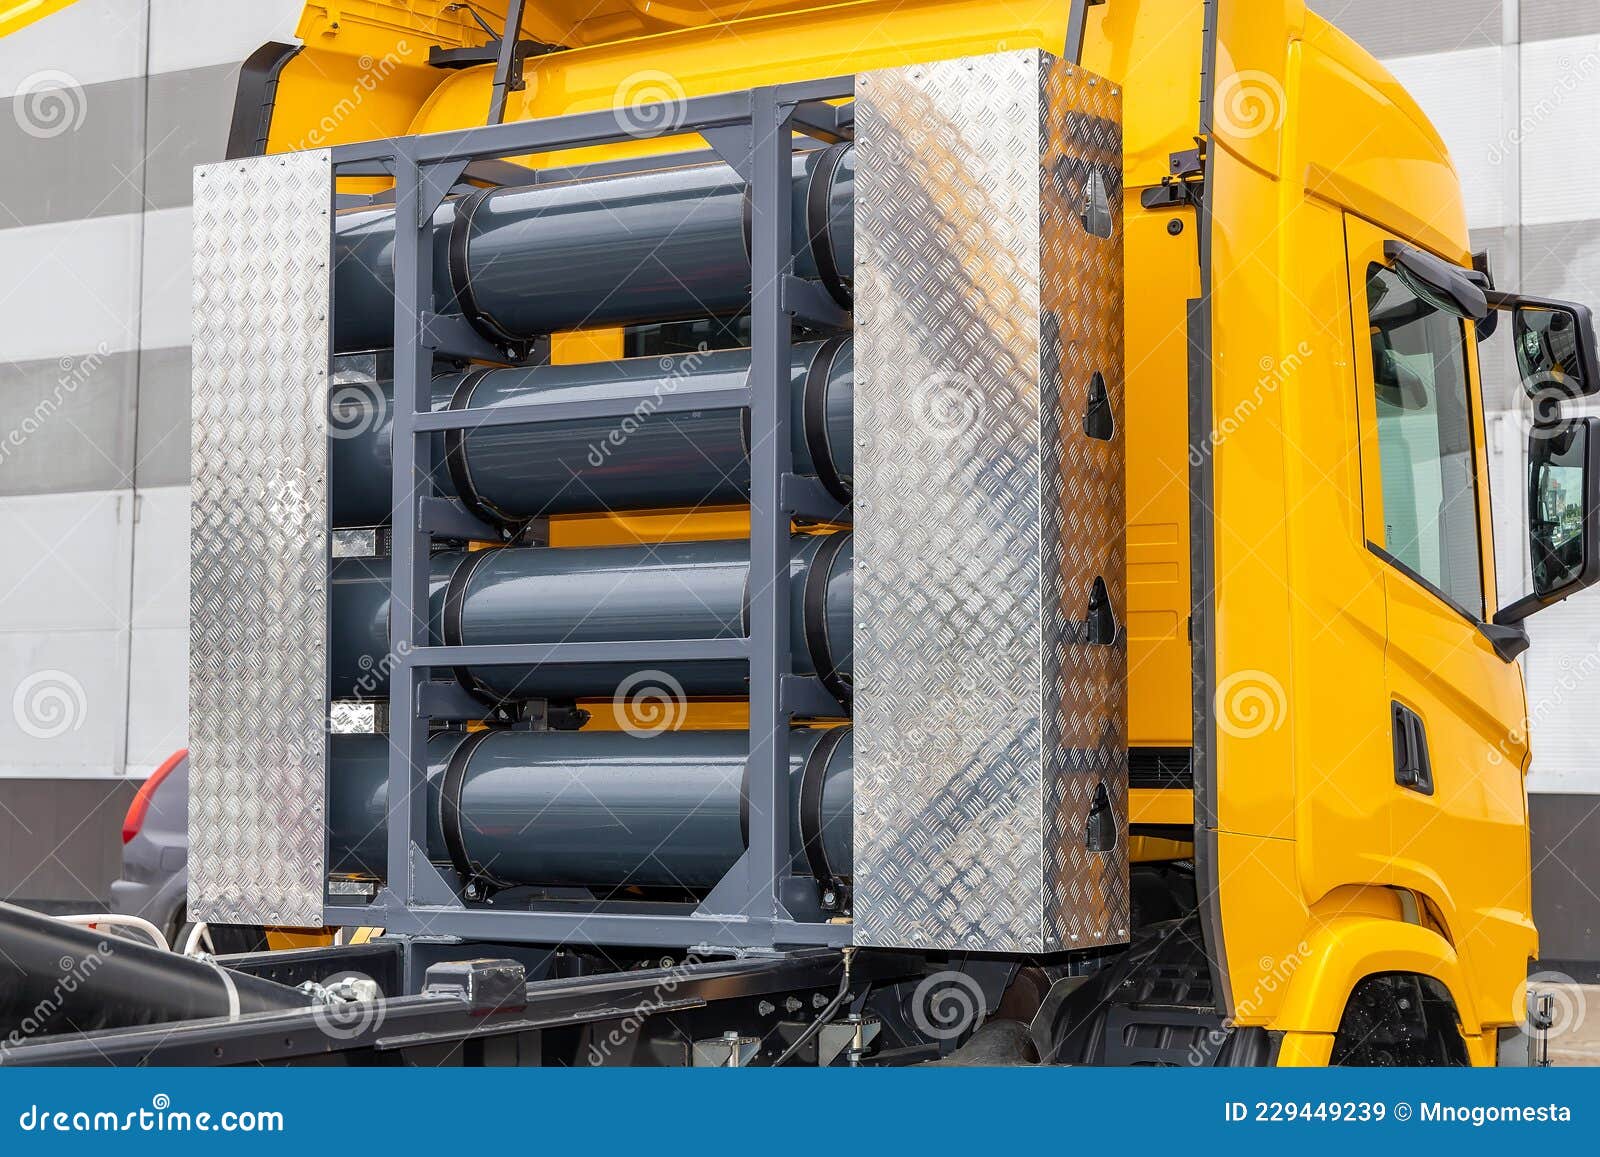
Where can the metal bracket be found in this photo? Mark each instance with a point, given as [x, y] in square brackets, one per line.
[732, 144]
[448, 518]
[729, 1051]
[805, 498]
[824, 122]
[1188, 162]
[452, 335]
[807, 302]
[805, 696]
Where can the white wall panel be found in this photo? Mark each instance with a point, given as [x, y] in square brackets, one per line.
[168, 278]
[92, 41]
[1560, 129]
[63, 702]
[161, 559]
[1461, 94]
[66, 562]
[64, 582]
[69, 287]
[1563, 672]
[158, 696]
[197, 33]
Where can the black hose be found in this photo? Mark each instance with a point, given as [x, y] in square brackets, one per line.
[62, 978]
[823, 1017]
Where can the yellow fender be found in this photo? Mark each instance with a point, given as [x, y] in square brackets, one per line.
[1347, 949]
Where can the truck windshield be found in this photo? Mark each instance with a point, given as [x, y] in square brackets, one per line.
[1430, 504]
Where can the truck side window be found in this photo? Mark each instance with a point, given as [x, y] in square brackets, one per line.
[1430, 502]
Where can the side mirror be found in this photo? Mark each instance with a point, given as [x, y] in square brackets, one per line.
[1563, 514]
[1555, 345]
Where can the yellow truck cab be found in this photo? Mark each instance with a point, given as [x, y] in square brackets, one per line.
[1326, 719]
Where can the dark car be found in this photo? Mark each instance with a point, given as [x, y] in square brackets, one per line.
[155, 862]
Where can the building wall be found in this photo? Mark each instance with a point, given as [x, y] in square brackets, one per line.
[107, 106]
[110, 104]
[1514, 87]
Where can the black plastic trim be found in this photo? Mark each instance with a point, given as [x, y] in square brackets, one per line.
[255, 99]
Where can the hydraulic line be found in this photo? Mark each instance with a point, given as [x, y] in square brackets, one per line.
[58, 978]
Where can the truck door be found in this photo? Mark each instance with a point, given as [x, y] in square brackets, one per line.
[1455, 804]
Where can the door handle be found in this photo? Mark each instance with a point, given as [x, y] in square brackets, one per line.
[1413, 769]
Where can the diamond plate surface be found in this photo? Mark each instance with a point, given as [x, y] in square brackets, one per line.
[985, 719]
[259, 540]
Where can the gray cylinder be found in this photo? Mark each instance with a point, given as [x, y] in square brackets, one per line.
[681, 590]
[648, 460]
[589, 809]
[529, 260]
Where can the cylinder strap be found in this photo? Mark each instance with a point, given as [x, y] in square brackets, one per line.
[814, 417]
[814, 614]
[461, 273]
[455, 460]
[819, 223]
[451, 817]
[813, 778]
[455, 601]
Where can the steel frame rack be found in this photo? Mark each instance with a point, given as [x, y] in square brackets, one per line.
[755, 905]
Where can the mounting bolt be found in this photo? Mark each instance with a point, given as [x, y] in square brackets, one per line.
[766, 1008]
[819, 1000]
[830, 899]
[792, 1005]
[1175, 226]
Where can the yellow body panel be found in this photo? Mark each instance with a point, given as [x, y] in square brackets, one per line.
[1326, 871]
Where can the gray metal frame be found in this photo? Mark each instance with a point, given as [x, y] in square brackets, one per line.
[755, 905]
